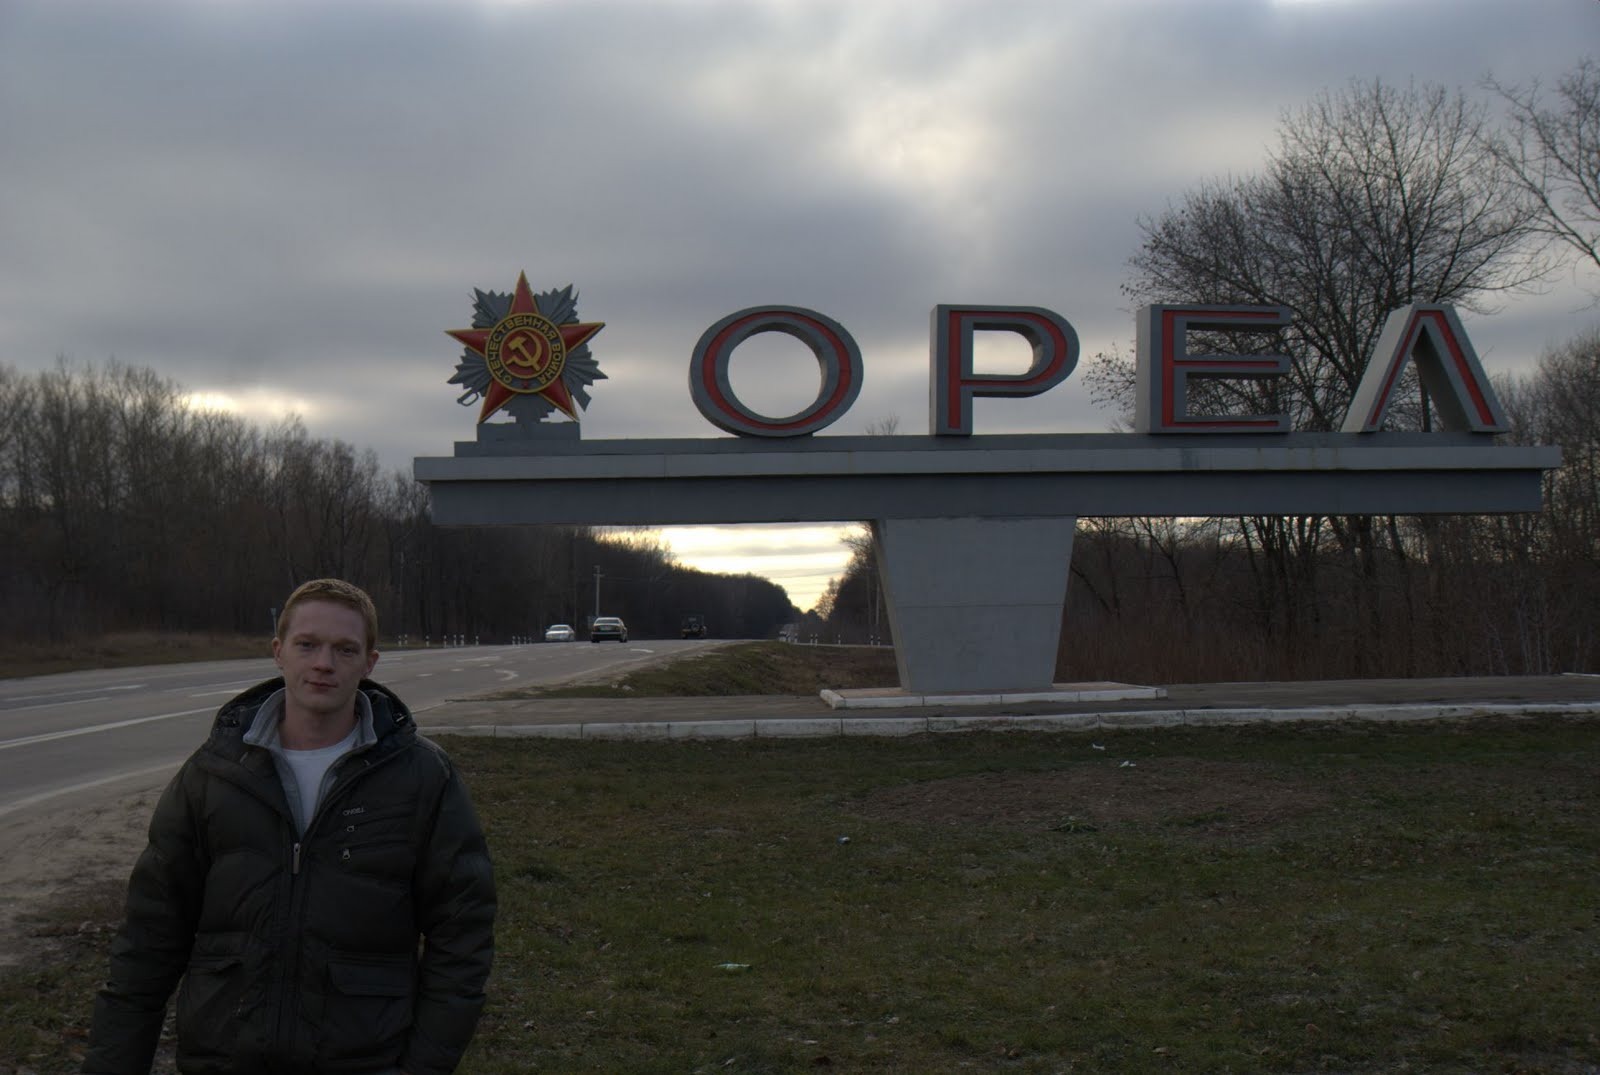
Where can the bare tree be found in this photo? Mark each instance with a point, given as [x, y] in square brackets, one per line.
[1375, 197]
[1552, 151]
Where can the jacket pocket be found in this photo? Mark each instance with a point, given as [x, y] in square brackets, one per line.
[209, 998]
[368, 1010]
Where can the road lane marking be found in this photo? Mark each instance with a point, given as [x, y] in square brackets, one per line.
[80, 690]
[47, 705]
[214, 688]
[29, 740]
[45, 796]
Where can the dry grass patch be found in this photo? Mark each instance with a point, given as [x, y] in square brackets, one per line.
[744, 668]
[125, 649]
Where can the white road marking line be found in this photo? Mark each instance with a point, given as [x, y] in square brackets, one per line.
[218, 688]
[47, 705]
[45, 796]
[46, 737]
[81, 690]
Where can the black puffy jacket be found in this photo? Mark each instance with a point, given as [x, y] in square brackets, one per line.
[301, 954]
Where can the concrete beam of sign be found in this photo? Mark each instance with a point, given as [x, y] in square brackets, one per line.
[830, 478]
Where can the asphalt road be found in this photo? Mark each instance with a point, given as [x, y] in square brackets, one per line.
[68, 734]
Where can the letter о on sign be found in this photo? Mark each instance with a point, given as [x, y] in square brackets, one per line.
[837, 355]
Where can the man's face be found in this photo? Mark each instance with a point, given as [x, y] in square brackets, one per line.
[323, 656]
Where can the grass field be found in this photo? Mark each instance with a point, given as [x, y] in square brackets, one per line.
[1360, 898]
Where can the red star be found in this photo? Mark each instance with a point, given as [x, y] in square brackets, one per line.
[573, 335]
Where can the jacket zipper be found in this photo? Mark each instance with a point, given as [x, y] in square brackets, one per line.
[290, 967]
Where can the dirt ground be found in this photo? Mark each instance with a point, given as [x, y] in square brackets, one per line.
[51, 854]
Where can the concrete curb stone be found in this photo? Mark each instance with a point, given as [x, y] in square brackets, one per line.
[811, 727]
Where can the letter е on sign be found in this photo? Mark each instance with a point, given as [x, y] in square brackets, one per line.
[1165, 366]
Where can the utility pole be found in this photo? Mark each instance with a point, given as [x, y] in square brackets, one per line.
[597, 577]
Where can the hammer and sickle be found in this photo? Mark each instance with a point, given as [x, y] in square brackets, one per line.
[520, 345]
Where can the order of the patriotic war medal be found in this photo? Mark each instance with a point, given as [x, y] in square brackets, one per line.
[526, 354]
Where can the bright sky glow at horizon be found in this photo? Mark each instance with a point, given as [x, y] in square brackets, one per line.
[282, 205]
[800, 557]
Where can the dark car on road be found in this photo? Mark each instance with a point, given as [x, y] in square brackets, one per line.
[608, 627]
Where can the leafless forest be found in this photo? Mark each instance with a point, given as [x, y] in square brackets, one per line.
[121, 508]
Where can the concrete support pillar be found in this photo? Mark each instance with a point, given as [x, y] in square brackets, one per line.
[975, 603]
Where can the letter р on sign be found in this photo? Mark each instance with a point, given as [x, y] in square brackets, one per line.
[837, 356]
[953, 383]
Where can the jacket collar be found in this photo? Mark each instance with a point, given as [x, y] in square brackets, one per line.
[266, 729]
[251, 718]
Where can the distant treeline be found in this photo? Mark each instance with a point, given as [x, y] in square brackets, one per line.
[122, 508]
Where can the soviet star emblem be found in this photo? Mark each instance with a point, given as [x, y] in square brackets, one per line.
[527, 354]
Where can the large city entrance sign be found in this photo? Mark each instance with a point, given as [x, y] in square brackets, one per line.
[973, 534]
[1430, 336]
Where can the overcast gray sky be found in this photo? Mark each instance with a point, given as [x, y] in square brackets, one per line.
[282, 205]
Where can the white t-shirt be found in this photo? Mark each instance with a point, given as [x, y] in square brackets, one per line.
[309, 767]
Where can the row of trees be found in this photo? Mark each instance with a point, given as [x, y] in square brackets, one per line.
[1375, 197]
[123, 508]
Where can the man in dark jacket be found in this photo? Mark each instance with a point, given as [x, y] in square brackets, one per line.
[294, 865]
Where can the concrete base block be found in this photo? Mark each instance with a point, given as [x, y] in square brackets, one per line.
[1142, 718]
[712, 729]
[1117, 692]
[1060, 693]
[811, 727]
[975, 603]
[883, 725]
[798, 727]
[628, 730]
[543, 731]
[1060, 722]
